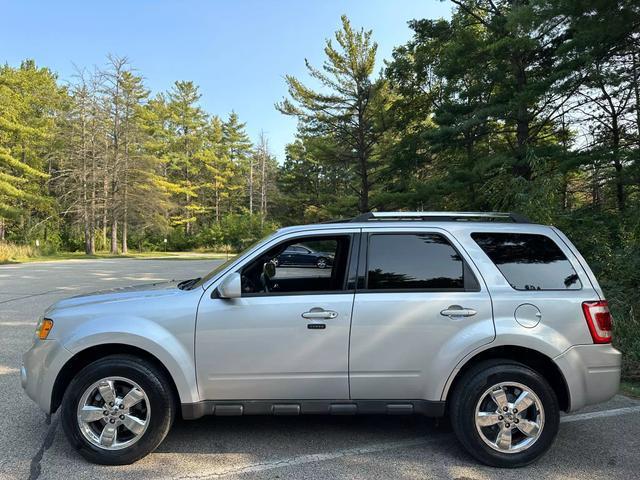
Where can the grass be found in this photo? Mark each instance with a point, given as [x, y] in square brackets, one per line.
[11, 251]
[27, 254]
[630, 388]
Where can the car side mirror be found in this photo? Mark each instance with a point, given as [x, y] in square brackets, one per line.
[231, 286]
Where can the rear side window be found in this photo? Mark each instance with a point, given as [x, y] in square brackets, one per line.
[529, 261]
[413, 262]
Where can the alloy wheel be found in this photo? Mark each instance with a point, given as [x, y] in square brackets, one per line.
[509, 417]
[113, 413]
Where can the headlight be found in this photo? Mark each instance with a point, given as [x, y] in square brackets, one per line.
[43, 328]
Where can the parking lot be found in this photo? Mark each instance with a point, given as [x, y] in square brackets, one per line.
[601, 442]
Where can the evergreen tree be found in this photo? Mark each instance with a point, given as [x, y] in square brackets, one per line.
[343, 110]
[30, 102]
[237, 146]
[187, 122]
[218, 169]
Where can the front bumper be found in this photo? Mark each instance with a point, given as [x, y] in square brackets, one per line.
[592, 373]
[40, 367]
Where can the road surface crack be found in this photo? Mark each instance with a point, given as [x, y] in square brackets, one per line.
[36, 467]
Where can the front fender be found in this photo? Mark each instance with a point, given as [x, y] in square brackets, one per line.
[174, 353]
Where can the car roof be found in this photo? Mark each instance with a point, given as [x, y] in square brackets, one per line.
[403, 225]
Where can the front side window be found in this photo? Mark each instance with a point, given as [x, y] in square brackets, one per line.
[310, 264]
[529, 261]
[423, 261]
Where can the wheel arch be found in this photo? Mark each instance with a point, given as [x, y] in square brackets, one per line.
[84, 357]
[535, 360]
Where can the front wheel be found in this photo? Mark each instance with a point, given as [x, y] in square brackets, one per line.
[321, 262]
[117, 410]
[504, 413]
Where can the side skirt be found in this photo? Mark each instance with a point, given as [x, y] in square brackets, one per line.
[312, 407]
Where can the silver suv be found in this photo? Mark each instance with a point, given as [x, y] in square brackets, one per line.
[485, 317]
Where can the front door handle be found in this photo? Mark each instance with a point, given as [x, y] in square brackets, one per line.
[319, 314]
[458, 311]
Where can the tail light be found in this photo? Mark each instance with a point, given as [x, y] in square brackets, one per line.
[599, 320]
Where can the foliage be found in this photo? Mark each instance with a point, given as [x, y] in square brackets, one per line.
[524, 105]
[10, 252]
[530, 106]
[345, 114]
[237, 231]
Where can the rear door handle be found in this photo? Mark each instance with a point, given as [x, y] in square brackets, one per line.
[458, 311]
[319, 314]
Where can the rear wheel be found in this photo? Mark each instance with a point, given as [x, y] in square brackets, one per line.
[117, 410]
[504, 413]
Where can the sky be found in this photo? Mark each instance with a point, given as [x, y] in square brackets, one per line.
[237, 51]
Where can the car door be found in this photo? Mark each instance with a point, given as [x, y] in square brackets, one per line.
[419, 306]
[291, 342]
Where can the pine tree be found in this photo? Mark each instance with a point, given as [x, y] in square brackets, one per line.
[238, 147]
[343, 110]
[218, 169]
[30, 102]
[187, 123]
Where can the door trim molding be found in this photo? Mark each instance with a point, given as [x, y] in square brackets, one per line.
[427, 408]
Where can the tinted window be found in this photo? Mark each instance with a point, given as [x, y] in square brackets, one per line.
[529, 262]
[416, 261]
[312, 264]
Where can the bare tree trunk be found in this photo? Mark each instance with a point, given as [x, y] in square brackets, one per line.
[84, 186]
[595, 186]
[251, 184]
[125, 214]
[217, 201]
[617, 165]
[636, 91]
[125, 247]
[105, 201]
[92, 211]
[263, 185]
[521, 167]
[125, 192]
[114, 235]
[363, 201]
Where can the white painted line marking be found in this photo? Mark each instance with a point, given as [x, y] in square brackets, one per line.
[321, 457]
[382, 447]
[600, 414]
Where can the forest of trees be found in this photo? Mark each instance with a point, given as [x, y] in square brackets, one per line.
[98, 164]
[520, 105]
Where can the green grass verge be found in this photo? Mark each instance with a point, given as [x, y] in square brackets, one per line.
[132, 255]
[631, 388]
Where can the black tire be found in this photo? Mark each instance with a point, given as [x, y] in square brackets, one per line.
[321, 262]
[154, 384]
[466, 396]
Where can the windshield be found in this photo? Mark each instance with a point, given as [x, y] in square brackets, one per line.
[224, 265]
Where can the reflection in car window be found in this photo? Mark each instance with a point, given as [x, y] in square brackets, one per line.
[416, 261]
[529, 261]
[311, 264]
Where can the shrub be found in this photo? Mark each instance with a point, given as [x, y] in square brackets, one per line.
[236, 231]
[11, 252]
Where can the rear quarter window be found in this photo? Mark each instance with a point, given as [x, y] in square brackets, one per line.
[529, 261]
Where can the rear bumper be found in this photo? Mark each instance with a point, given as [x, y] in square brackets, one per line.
[592, 373]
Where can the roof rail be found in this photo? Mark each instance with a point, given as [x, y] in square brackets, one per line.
[440, 216]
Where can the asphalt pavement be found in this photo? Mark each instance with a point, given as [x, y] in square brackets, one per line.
[601, 442]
